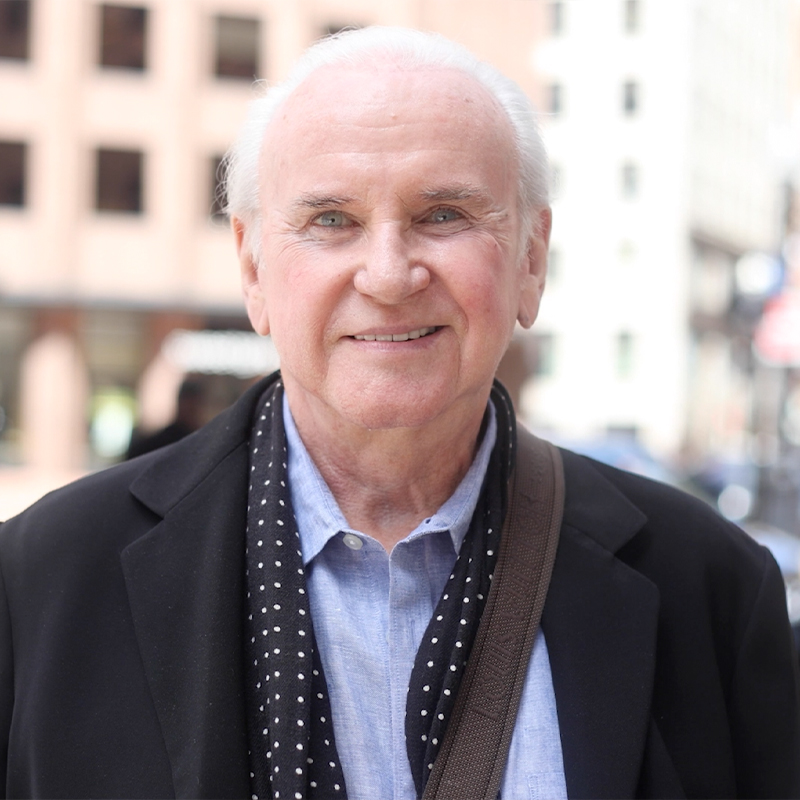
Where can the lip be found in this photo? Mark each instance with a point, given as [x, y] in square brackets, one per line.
[397, 335]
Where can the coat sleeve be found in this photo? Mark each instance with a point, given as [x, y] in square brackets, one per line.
[6, 682]
[765, 697]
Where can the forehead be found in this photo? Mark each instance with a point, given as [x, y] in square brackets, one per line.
[349, 90]
[344, 111]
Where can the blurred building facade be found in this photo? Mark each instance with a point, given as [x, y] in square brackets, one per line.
[114, 116]
[661, 127]
[113, 120]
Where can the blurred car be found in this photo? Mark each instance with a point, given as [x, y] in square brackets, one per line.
[785, 547]
[732, 484]
[726, 488]
[625, 452]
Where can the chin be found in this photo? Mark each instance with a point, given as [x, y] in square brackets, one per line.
[382, 416]
[387, 410]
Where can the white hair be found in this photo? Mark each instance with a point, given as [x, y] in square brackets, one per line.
[409, 49]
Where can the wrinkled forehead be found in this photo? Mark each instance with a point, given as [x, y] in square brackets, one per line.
[384, 94]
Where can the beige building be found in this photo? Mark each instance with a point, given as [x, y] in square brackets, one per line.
[113, 120]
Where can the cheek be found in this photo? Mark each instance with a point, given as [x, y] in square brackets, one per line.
[489, 290]
[306, 290]
[292, 278]
[307, 267]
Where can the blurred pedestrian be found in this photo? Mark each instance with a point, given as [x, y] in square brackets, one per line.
[189, 416]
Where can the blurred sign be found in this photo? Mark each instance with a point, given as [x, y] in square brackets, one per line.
[221, 352]
[777, 336]
[758, 275]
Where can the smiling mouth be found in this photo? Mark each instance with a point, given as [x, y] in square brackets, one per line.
[419, 333]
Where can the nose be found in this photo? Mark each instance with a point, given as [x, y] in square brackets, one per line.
[390, 274]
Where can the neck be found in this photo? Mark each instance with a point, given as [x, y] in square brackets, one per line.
[387, 481]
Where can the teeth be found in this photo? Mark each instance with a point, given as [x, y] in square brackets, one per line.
[395, 337]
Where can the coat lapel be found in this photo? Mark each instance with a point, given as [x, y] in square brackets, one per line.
[600, 624]
[185, 580]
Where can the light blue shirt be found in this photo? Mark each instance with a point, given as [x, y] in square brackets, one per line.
[370, 610]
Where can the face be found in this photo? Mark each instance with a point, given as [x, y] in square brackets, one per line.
[393, 269]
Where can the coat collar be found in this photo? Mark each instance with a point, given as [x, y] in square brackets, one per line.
[181, 468]
[185, 583]
[600, 626]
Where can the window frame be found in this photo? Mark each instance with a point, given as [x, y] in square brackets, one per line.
[218, 49]
[23, 53]
[108, 28]
[632, 16]
[631, 98]
[18, 176]
[630, 180]
[556, 17]
[104, 153]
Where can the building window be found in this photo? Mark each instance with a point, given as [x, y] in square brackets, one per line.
[630, 180]
[632, 11]
[624, 356]
[555, 12]
[555, 99]
[333, 28]
[237, 47]
[627, 253]
[627, 433]
[118, 184]
[123, 37]
[12, 174]
[217, 189]
[630, 98]
[15, 29]
[544, 354]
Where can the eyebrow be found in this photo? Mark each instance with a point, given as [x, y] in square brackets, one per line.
[321, 201]
[442, 194]
[449, 194]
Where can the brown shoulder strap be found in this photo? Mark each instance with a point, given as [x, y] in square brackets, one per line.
[473, 755]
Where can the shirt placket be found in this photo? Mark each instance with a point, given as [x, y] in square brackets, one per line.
[410, 611]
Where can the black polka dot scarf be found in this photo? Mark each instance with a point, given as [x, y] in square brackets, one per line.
[290, 731]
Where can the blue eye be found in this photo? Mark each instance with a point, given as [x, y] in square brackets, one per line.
[332, 219]
[444, 215]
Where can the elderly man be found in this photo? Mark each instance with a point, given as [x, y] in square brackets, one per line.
[284, 603]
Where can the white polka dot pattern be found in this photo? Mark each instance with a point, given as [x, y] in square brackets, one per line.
[292, 746]
[447, 642]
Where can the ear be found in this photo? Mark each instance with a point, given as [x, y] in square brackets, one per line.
[534, 268]
[255, 299]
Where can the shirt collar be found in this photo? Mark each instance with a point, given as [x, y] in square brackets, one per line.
[319, 517]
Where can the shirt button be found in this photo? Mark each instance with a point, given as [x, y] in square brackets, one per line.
[352, 541]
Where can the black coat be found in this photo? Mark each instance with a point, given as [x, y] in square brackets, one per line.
[121, 616]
